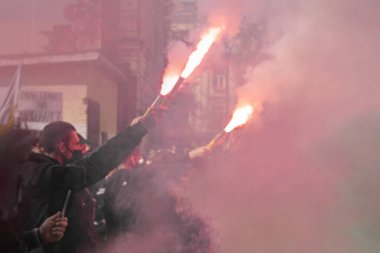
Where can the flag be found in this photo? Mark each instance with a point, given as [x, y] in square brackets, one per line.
[9, 104]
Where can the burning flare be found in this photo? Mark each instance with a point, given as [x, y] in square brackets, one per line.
[202, 48]
[194, 60]
[239, 118]
[168, 84]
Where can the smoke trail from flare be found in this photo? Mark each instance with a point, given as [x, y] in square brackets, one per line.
[194, 60]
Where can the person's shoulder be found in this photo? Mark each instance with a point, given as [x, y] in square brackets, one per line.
[40, 158]
[36, 161]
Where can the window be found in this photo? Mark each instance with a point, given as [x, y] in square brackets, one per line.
[218, 83]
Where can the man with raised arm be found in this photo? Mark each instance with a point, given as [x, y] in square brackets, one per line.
[48, 175]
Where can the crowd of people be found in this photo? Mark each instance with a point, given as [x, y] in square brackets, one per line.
[51, 206]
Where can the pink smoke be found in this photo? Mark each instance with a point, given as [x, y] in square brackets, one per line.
[305, 179]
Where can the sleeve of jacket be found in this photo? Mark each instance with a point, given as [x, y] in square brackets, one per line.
[91, 169]
[30, 238]
[10, 240]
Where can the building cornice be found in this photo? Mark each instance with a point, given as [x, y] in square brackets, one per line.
[75, 57]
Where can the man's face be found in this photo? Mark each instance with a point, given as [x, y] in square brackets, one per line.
[67, 147]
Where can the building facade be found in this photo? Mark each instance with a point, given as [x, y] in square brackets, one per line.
[214, 83]
[79, 88]
[141, 47]
[102, 60]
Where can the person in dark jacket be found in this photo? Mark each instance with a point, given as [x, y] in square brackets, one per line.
[47, 177]
[139, 203]
[51, 230]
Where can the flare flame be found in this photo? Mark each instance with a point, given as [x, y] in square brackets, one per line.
[194, 60]
[239, 118]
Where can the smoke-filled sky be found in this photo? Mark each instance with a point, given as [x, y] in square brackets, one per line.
[24, 21]
[304, 176]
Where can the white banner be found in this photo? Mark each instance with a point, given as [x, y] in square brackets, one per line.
[40, 106]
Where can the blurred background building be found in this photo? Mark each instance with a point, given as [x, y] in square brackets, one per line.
[99, 63]
[212, 88]
[95, 63]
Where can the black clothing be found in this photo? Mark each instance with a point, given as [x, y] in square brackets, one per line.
[128, 192]
[14, 149]
[140, 203]
[120, 202]
[13, 242]
[45, 182]
[9, 240]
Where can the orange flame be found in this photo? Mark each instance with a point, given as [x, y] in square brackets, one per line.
[168, 84]
[202, 48]
[194, 60]
[239, 117]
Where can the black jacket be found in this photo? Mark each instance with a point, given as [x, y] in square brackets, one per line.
[44, 184]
